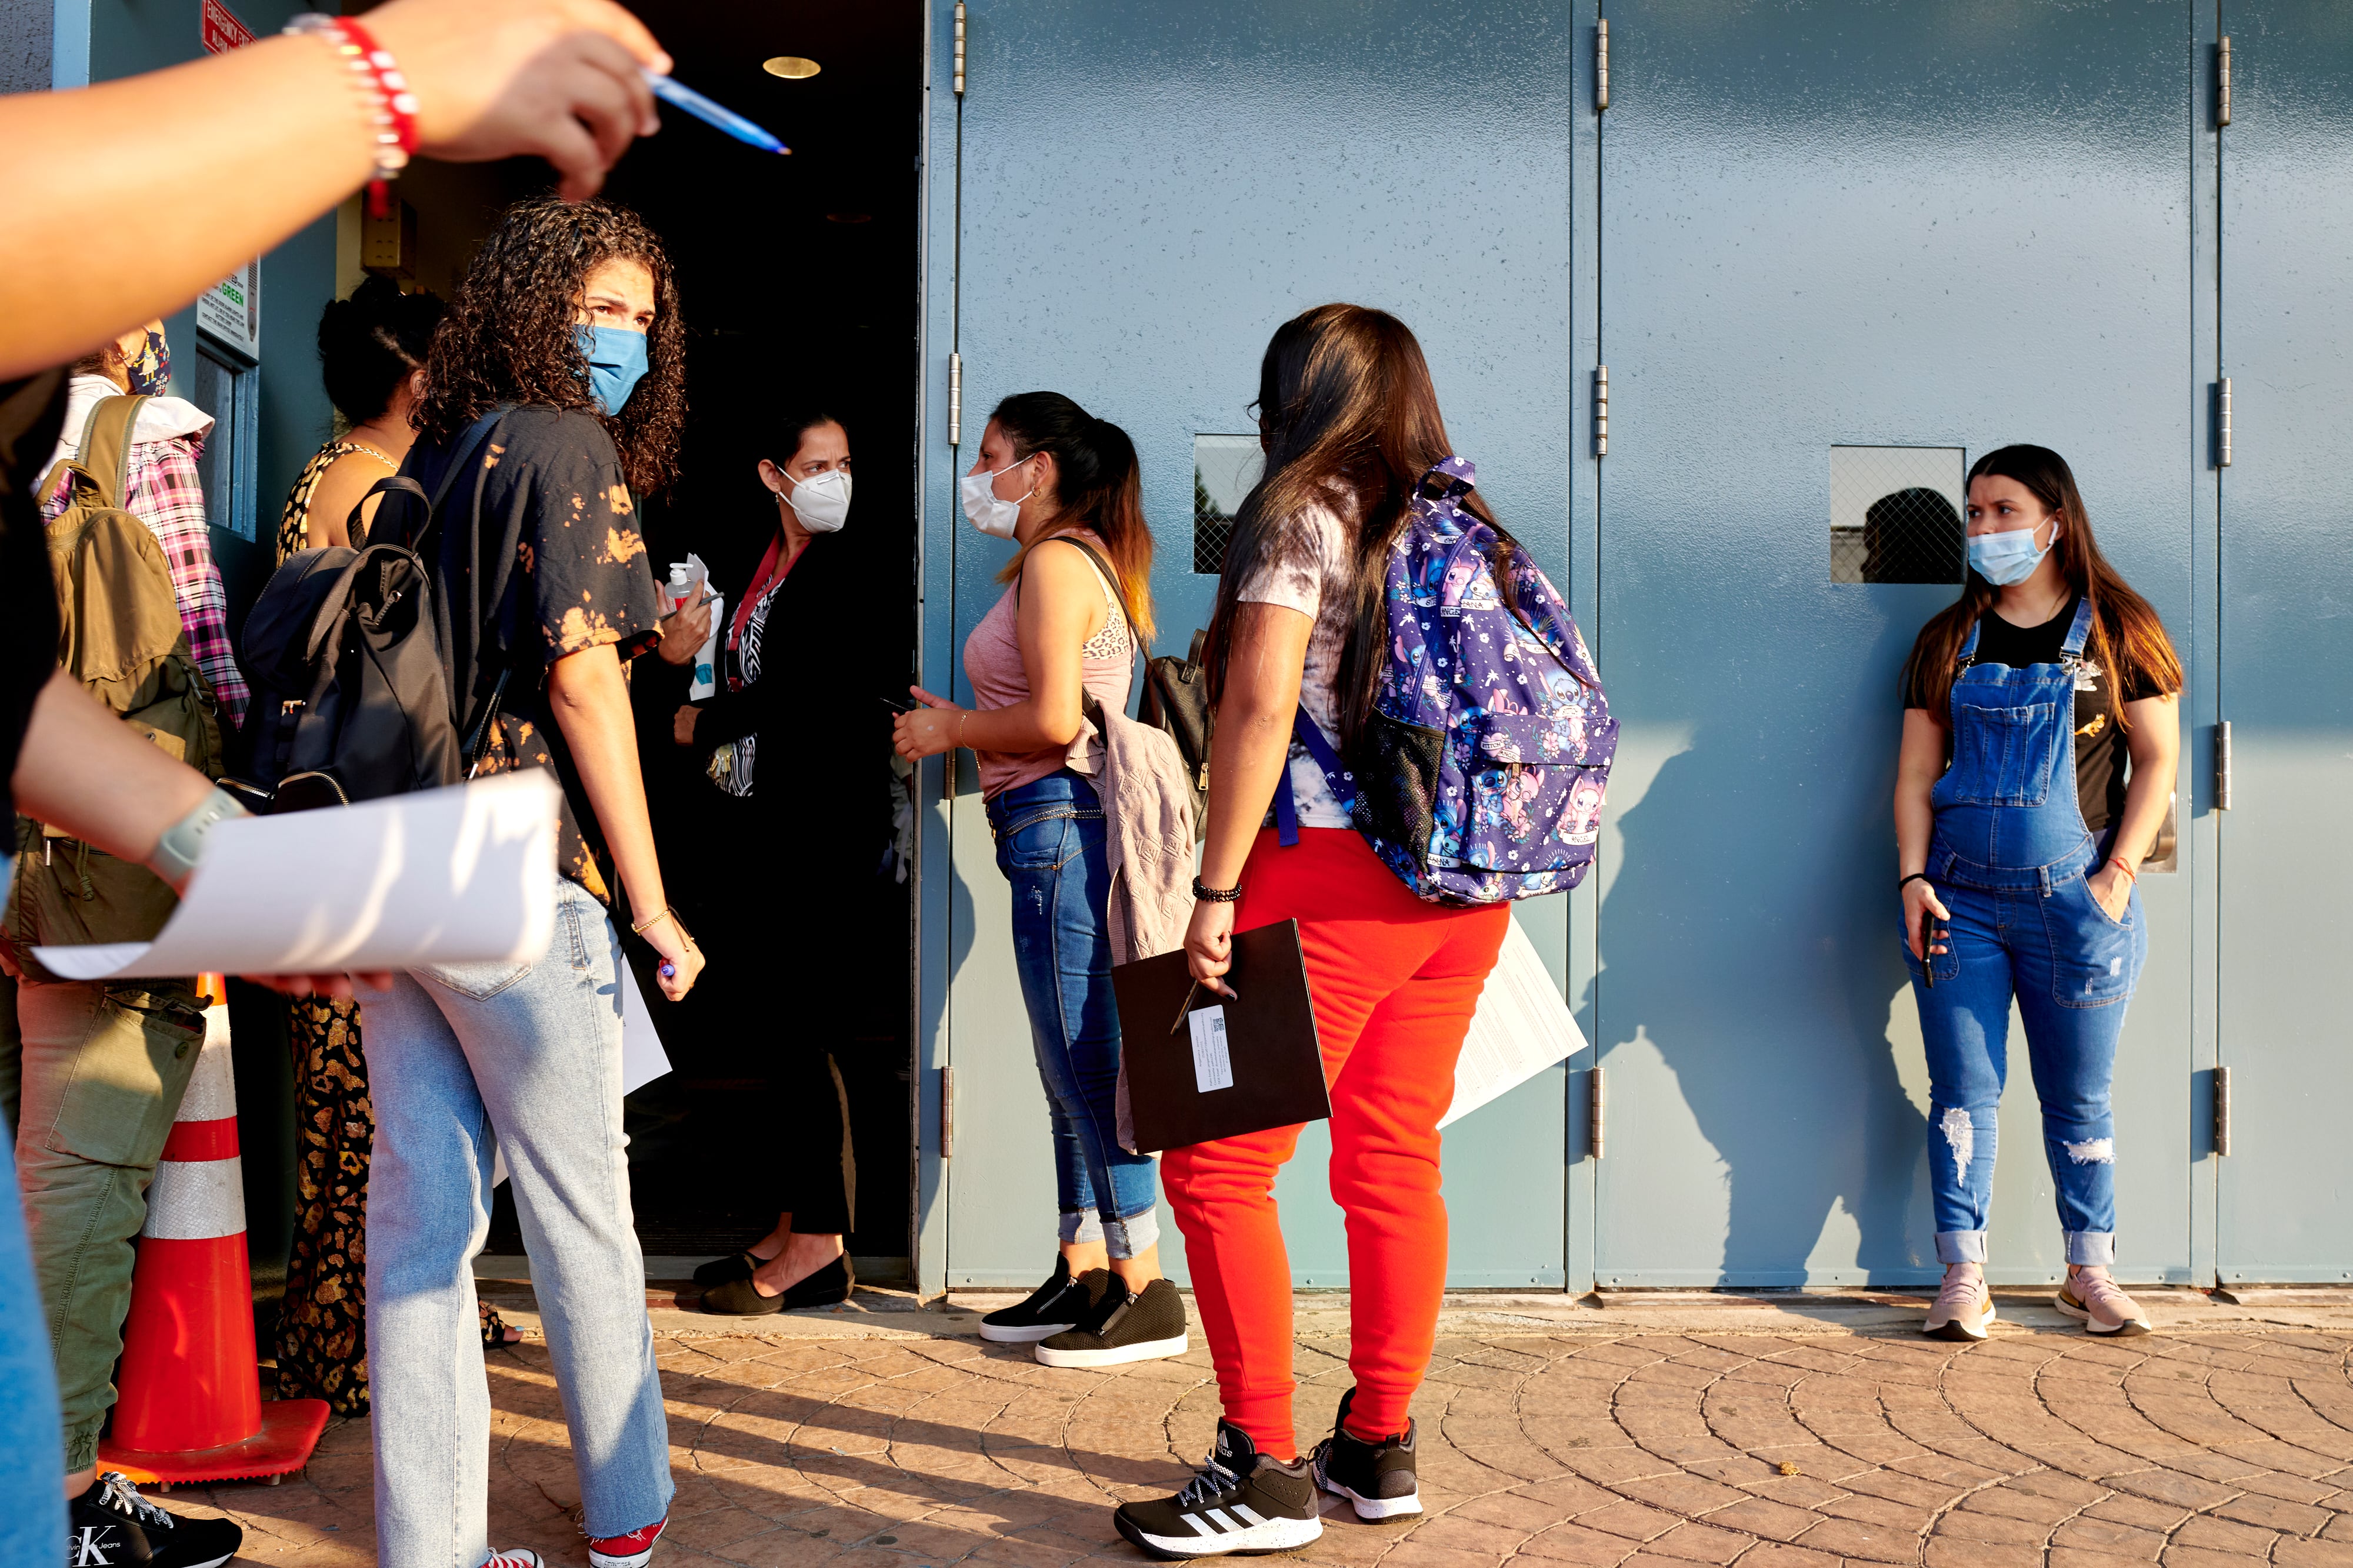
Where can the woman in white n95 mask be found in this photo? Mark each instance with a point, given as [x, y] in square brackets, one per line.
[770, 734]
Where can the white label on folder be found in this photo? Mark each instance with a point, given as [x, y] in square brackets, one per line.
[1212, 1067]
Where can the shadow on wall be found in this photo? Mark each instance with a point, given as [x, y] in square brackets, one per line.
[1755, 952]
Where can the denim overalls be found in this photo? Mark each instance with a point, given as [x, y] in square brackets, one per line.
[2009, 858]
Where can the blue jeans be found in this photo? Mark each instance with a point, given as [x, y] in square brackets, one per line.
[1049, 844]
[2072, 971]
[32, 1506]
[525, 1058]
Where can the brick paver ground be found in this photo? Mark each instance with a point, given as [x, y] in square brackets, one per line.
[2039, 1449]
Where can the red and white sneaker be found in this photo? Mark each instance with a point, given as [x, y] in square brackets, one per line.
[514, 1557]
[634, 1550]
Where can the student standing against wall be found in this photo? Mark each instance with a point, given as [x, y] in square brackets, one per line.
[2020, 833]
[568, 314]
[1063, 485]
[795, 732]
[1351, 425]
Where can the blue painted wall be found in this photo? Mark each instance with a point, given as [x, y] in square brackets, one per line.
[1797, 226]
[1145, 195]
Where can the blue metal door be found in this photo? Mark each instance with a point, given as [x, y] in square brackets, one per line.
[1145, 193]
[1939, 224]
[2286, 641]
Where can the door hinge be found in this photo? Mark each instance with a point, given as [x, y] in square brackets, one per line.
[947, 1113]
[1601, 411]
[1601, 65]
[955, 400]
[2222, 765]
[2222, 1111]
[1595, 1110]
[959, 48]
[2223, 430]
[2222, 83]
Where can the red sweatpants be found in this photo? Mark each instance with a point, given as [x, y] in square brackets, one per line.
[1394, 982]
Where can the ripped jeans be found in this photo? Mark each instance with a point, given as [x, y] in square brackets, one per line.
[2072, 971]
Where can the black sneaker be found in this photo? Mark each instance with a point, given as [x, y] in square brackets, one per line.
[1122, 1327]
[1053, 1307]
[1242, 1501]
[112, 1525]
[1379, 1478]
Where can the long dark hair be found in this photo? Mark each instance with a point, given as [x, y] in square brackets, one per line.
[2127, 639]
[372, 342]
[510, 334]
[1099, 486]
[1345, 405]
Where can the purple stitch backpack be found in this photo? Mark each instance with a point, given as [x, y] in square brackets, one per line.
[1479, 776]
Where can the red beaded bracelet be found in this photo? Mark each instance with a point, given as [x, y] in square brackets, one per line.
[391, 106]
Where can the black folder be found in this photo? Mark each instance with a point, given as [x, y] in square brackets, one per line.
[1255, 1065]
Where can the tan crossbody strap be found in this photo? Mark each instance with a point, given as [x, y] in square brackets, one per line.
[105, 453]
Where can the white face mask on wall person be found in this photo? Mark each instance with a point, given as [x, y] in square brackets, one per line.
[990, 512]
[821, 501]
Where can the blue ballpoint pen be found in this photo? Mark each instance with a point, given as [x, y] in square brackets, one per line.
[709, 113]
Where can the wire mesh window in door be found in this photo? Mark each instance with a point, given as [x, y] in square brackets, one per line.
[1895, 514]
[1224, 467]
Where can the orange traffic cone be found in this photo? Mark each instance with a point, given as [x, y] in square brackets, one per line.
[191, 1406]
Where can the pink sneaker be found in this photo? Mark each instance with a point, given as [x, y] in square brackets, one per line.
[1964, 1306]
[2101, 1303]
[634, 1550]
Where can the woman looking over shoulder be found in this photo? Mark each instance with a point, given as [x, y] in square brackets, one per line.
[372, 350]
[1063, 485]
[2040, 741]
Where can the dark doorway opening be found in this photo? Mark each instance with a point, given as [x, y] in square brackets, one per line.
[799, 280]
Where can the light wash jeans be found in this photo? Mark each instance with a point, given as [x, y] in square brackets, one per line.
[526, 1057]
[32, 1501]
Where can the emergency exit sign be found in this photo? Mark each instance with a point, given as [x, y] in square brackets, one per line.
[222, 30]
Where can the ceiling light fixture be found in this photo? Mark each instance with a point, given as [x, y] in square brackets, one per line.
[792, 68]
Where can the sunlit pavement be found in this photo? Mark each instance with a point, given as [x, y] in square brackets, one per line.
[1776, 1435]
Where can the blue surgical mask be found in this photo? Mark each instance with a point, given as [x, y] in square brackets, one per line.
[2002, 559]
[617, 359]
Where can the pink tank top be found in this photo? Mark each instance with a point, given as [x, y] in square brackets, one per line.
[992, 662]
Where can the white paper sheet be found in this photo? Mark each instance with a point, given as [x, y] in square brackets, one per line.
[462, 875]
[1522, 1026]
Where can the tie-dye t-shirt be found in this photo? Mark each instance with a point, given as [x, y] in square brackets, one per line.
[552, 480]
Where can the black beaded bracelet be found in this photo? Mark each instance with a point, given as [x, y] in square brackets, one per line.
[1215, 895]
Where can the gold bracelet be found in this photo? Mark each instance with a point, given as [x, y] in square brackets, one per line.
[960, 719]
[666, 913]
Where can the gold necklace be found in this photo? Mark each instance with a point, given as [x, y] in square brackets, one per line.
[371, 451]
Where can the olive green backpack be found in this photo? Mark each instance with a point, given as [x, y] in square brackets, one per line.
[119, 634]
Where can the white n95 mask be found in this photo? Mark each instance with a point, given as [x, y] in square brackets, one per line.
[991, 514]
[821, 501]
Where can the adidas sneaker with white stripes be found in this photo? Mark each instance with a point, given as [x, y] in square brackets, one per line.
[1242, 1502]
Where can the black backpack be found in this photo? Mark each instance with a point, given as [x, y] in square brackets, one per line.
[345, 654]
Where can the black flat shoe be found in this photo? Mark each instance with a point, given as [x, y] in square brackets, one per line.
[829, 1284]
[742, 1299]
[720, 1270]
